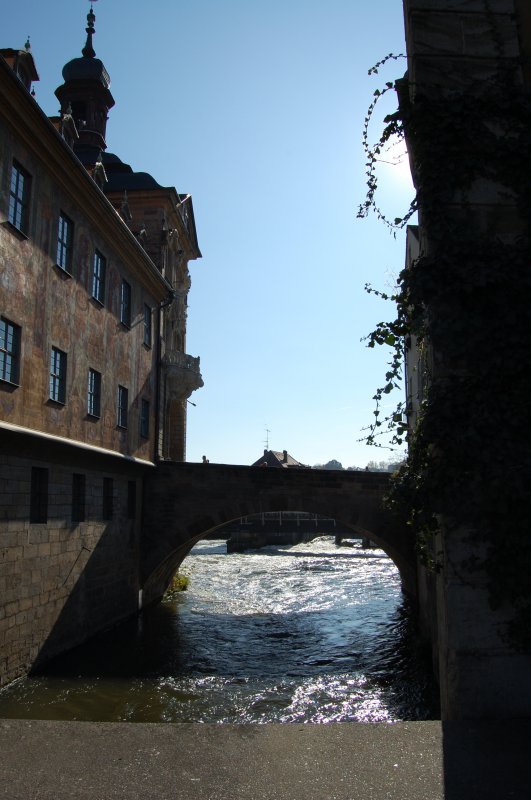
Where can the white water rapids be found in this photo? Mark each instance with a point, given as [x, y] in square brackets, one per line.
[308, 633]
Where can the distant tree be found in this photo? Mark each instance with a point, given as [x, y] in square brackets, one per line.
[385, 466]
[333, 464]
[377, 466]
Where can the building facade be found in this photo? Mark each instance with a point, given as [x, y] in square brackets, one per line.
[94, 377]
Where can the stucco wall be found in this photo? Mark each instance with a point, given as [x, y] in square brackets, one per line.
[55, 309]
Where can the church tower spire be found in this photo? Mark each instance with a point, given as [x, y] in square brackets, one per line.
[85, 94]
[88, 51]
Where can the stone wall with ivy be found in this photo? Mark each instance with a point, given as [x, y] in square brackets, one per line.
[464, 110]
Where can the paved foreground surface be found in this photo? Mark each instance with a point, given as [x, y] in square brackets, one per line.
[41, 760]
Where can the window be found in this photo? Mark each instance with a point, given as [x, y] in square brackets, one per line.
[122, 406]
[65, 241]
[108, 498]
[78, 497]
[9, 351]
[79, 113]
[147, 325]
[99, 268]
[131, 500]
[125, 304]
[19, 193]
[58, 375]
[94, 393]
[144, 419]
[39, 494]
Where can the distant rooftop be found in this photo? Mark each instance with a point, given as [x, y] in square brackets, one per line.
[278, 458]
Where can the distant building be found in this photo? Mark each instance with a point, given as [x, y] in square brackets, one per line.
[277, 458]
[278, 527]
[94, 375]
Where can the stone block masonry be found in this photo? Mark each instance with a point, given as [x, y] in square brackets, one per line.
[62, 581]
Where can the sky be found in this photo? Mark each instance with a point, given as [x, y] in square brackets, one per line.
[256, 109]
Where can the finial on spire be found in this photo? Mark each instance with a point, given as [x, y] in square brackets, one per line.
[27, 46]
[88, 51]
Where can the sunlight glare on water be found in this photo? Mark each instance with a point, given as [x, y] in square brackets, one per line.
[308, 633]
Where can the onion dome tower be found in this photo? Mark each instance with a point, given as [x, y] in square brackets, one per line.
[86, 97]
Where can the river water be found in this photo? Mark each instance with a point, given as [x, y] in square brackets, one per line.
[309, 633]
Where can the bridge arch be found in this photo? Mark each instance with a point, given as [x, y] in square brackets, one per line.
[184, 503]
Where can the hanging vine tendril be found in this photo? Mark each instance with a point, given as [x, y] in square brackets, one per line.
[467, 299]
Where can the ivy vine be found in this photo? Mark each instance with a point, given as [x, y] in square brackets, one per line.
[467, 301]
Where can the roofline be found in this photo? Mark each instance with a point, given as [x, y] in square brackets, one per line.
[195, 243]
[27, 54]
[167, 193]
[23, 113]
[74, 444]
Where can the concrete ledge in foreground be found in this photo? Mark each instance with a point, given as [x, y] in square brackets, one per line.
[42, 760]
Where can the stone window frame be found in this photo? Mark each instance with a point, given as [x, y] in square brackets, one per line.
[122, 407]
[144, 418]
[39, 494]
[99, 275]
[10, 341]
[108, 498]
[125, 303]
[57, 383]
[94, 393]
[148, 326]
[79, 493]
[65, 243]
[19, 197]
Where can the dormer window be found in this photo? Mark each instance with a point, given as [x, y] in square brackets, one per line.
[23, 75]
[22, 64]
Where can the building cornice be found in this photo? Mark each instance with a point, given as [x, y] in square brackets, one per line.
[167, 197]
[74, 443]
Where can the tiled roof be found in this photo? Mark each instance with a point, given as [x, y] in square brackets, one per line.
[277, 458]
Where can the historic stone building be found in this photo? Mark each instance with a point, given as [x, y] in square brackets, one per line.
[94, 377]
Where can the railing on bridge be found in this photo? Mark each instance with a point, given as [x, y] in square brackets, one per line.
[280, 528]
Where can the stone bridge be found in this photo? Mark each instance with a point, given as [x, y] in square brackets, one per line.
[184, 502]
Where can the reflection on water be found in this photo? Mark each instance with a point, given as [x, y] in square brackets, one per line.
[310, 633]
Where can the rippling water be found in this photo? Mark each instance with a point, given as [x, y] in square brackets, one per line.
[310, 633]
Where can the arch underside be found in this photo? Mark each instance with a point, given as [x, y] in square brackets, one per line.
[369, 523]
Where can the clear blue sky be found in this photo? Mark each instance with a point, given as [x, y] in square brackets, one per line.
[256, 108]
